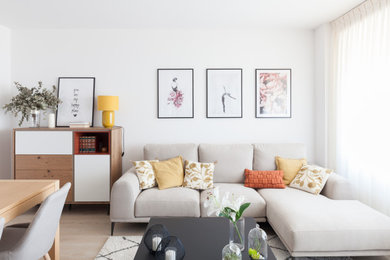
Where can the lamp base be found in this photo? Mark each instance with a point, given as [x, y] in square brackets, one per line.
[108, 118]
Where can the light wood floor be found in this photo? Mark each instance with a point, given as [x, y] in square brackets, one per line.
[85, 229]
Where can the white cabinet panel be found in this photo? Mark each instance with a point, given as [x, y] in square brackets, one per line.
[92, 177]
[43, 142]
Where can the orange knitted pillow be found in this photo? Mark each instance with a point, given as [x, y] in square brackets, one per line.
[264, 179]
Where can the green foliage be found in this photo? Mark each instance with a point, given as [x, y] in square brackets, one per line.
[28, 99]
[231, 256]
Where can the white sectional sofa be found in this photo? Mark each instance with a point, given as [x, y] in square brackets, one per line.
[329, 224]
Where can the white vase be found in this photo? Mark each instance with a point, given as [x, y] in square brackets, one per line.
[52, 120]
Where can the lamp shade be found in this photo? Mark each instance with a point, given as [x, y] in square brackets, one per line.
[109, 103]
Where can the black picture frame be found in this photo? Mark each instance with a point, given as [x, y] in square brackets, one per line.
[160, 114]
[208, 114]
[59, 113]
[289, 93]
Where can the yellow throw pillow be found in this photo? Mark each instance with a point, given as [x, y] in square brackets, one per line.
[198, 175]
[169, 173]
[290, 167]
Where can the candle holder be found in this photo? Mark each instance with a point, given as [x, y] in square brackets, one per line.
[154, 236]
[171, 249]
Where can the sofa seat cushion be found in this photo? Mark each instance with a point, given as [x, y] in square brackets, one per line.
[310, 225]
[173, 202]
[255, 210]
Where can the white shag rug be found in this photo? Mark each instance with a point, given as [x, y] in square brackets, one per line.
[125, 248]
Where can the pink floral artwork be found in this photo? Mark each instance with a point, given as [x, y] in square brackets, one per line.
[273, 93]
[176, 96]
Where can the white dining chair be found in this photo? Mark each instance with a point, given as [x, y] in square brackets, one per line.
[35, 241]
[2, 221]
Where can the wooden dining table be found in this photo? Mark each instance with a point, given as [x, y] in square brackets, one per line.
[18, 196]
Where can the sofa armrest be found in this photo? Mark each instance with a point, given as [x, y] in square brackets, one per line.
[123, 195]
[338, 188]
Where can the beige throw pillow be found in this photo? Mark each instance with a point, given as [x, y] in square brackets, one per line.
[290, 167]
[311, 178]
[169, 173]
[145, 174]
[198, 175]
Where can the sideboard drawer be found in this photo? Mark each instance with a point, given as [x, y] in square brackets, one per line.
[43, 142]
[44, 162]
[37, 174]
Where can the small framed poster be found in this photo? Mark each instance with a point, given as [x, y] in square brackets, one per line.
[175, 93]
[273, 93]
[224, 93]
[77, 95]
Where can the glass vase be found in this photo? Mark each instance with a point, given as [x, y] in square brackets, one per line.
[257, 243]
[231, 252]
[35, 118]
[237, 233]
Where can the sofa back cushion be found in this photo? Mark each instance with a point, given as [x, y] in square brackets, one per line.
[232, 160]
[167, 151]
[264, 154]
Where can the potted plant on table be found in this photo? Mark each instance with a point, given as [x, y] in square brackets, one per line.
[29, 102]
[231, 207]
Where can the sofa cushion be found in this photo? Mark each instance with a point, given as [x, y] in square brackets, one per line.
[169, 173]
[167, 151]
[264, 154]
[309, 224]
[232, 160]
[255, 210]
[173, 202]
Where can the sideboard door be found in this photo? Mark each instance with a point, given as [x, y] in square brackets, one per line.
[92, 178]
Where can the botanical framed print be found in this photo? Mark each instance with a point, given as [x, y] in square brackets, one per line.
[273, 93]
[175, 93]
[224, 93]
[77, 95]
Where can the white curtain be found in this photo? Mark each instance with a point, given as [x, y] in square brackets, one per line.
[359, 101]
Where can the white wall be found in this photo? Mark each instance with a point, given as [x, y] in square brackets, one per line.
[5, 121]
[124, 63]
[321, 76]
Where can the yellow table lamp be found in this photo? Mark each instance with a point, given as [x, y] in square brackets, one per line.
[108, 104]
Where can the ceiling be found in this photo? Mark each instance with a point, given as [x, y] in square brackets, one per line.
[186, 14]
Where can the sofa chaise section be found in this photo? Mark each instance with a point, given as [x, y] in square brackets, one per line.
[314, 225]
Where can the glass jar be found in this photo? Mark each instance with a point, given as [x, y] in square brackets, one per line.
[237, 233]
[35, 118]
[231, 252]
[257, 243]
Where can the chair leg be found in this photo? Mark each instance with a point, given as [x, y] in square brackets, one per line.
[46, 257]
[112, 228]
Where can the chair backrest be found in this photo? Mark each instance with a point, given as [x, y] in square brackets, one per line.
[2, 222]
[40, 234]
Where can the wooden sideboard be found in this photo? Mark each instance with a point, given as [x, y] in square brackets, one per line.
[89, 158]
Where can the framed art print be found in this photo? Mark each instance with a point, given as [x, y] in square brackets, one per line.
[273, 93]
[77, 95]
[175, 93]
[224, 93]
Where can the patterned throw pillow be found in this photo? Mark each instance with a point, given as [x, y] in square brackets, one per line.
[264, 179]
[198, 175]
[311, 178]
[145, 174]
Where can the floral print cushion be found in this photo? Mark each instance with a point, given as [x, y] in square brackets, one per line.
[145, 174]
[311, 178]
[198, 175]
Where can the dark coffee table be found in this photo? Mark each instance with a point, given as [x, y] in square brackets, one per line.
[203, 238]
